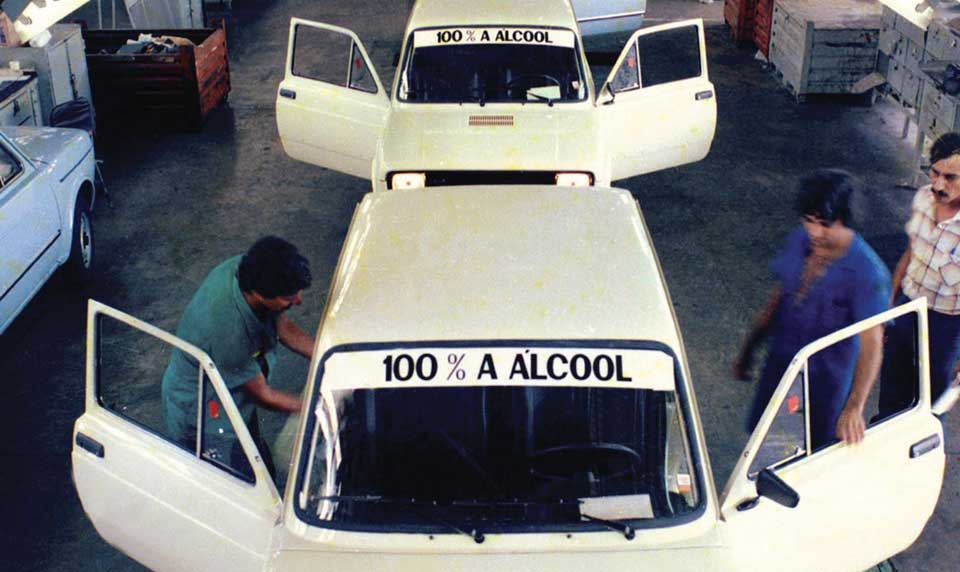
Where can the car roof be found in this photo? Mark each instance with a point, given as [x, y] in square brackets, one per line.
[498, 262]
[428, 13]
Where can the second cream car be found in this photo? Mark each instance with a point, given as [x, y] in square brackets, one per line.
[496, 96]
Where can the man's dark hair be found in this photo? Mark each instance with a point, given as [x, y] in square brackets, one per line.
[946, 146]
[828, 194]
[273, 267]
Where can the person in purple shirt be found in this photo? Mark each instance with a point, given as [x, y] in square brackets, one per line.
[827, 277]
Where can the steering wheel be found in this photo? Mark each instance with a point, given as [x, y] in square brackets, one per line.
[571, 459]
[530, 78]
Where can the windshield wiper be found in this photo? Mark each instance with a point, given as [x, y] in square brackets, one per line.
[412, 505]
[539, 97]
[481, 99]
[628, 531]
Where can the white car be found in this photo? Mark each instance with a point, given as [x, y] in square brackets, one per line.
[498, 382]
[496, 92]
[46, 197]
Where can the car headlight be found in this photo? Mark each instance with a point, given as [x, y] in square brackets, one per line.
[408, 181]
[574, 179]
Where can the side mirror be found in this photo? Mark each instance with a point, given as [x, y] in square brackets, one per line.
[602, 99]
[774, 488]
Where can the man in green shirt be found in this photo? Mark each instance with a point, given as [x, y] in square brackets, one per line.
[236, 317]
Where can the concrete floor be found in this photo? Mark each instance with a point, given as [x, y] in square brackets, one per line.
[183, 202]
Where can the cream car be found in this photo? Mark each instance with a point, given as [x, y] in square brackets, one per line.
[498, 382]
[496, 92]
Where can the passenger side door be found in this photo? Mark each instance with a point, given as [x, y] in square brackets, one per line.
[657, 107]
[331, 106]
[29, 228]
[201, 503]
[854, 505]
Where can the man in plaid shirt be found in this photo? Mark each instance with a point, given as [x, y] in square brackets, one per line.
[930, 267]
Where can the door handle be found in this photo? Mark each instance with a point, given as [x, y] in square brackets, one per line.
[90, 444]
[288, 93]
[924, 446]
[701, 95]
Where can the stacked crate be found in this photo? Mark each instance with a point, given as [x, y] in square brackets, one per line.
[762, 20]
[939, 111]
[900, 52]
[739, 16]
[824, 46]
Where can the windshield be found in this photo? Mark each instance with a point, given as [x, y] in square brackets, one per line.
[490, 65]
[515, 454]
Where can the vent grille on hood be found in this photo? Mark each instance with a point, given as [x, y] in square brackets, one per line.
[491, 120]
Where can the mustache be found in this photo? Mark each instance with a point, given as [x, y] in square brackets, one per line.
[941, 194]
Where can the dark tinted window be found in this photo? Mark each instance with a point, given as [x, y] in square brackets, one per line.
[671, 55]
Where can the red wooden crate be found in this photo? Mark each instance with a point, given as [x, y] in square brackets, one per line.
[739, 15]
[762, 21]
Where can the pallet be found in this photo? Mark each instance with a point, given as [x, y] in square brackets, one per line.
[824, 46]
[762, 20]
[739, 15]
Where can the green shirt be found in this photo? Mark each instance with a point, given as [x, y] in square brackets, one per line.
[220, 322]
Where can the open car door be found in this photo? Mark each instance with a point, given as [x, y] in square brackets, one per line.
[202, 502]
[657, 107]
[852, 505]
[330, 106]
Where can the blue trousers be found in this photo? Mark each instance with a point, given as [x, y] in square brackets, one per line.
[898, 380]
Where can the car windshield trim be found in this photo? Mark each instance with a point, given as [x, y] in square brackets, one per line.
[570, 89]
[305, 459]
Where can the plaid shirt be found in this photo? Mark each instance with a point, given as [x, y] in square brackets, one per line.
[934, 268]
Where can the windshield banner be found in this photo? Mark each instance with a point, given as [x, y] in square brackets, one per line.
[530, 36]
[536, 366]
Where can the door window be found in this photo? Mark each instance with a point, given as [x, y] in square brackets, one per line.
[787, 437]
[792, 434]
[360, 77]
[669, 55]
[331, 57]
[131, 365]
[628, 74]
[9, 167]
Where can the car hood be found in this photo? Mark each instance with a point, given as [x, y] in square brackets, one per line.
[496, 137]
[57, 148]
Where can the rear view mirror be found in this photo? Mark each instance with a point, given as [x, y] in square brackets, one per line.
[774, 488]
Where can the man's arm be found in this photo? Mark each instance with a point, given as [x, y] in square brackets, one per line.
[850, 425]
[899, 272]
[741, 366]
[294, 338]
[271, 398]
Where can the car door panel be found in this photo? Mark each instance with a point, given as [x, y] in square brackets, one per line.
[327, 114]
[859, 504]
[29, 229]
[666, 115]
[157, 501]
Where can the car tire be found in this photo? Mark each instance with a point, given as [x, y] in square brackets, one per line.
[79, 267]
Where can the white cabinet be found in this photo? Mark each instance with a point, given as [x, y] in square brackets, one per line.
[61, 68]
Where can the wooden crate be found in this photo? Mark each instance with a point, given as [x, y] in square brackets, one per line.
[762, 20]
[824, 46]
[739, 15]
[176, 89]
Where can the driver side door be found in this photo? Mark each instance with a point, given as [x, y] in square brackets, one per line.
[331, 105]
[857, 504]
[198, 502]
[657, 107]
